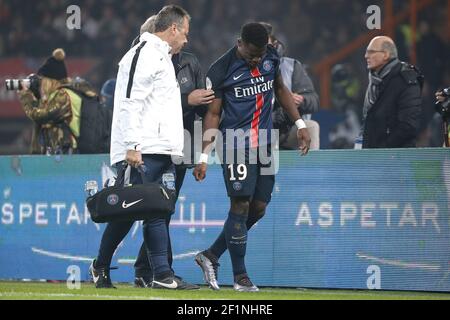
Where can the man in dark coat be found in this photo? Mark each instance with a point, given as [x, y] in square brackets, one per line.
[393, 102]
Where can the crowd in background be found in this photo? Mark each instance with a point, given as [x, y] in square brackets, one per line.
[310, 29]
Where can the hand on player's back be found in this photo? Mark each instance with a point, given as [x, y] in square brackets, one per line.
[200, 97]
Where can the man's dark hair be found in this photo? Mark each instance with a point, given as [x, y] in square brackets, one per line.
[268, 27]
[169, 15]
[254, 33]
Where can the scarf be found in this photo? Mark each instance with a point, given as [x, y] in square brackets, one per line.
[373, 91]
[375, 80]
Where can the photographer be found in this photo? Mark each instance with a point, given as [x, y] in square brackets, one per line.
[443, 108]
[443, 95]
[55, 111]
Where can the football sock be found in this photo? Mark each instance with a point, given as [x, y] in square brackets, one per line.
[235, 232]
[220, 245]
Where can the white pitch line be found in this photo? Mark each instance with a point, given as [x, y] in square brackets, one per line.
[87, 259]
[196, 223]
[70, 295]
[61, 255]
[98, 296]
[175, 257]
[398, 263]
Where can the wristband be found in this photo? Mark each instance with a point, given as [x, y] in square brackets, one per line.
[203, 158]
[300, 124]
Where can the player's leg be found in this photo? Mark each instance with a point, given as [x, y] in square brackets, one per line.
[261, 198]
[240, 180]
[235, 230]
[257, 209]
[256, 212]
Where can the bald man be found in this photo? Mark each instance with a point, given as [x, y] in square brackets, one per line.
[393, 102]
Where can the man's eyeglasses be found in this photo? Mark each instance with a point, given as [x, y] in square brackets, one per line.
[374, 51]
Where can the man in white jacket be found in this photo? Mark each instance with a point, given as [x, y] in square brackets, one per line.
[147, 130]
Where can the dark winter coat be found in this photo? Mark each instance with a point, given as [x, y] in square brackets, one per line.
[394, 119]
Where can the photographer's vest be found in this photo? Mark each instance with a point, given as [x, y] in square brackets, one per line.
[75, 101]
[75, 104]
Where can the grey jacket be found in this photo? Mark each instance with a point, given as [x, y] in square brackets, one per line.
[297, 80]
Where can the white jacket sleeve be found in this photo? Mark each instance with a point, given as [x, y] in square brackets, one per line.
[139, 70]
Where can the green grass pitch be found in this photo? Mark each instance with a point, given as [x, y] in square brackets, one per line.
[10, 290]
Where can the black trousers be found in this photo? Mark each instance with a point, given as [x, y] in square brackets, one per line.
[116, 232]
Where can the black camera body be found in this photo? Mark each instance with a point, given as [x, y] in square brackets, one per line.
[33, 82]
[443, 108]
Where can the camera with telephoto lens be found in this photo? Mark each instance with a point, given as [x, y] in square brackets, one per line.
[443, 108]
[32, 82]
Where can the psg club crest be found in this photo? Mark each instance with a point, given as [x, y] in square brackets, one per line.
[267, 65]
[237, 186]
[112, 199]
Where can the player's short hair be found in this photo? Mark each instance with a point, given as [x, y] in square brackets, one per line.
[270, 32]
[169, 15]
[255, 33]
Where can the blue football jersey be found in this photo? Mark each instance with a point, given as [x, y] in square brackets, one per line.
[246, 94]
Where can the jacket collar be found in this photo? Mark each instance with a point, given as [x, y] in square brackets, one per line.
[183, 59]
[157, 41]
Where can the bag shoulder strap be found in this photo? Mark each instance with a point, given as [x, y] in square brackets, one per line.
[122, 168]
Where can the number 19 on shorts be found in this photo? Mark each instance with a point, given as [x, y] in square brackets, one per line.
[239, 174]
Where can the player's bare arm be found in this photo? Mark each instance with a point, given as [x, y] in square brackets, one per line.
[211, 121]
[286, 101]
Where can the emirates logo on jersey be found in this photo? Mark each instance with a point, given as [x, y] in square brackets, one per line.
[258, 88]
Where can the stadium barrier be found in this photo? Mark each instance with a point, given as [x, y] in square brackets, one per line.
[363, 219]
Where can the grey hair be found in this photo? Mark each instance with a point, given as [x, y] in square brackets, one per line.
[391, 48]
[169, 15]
[149, 25]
